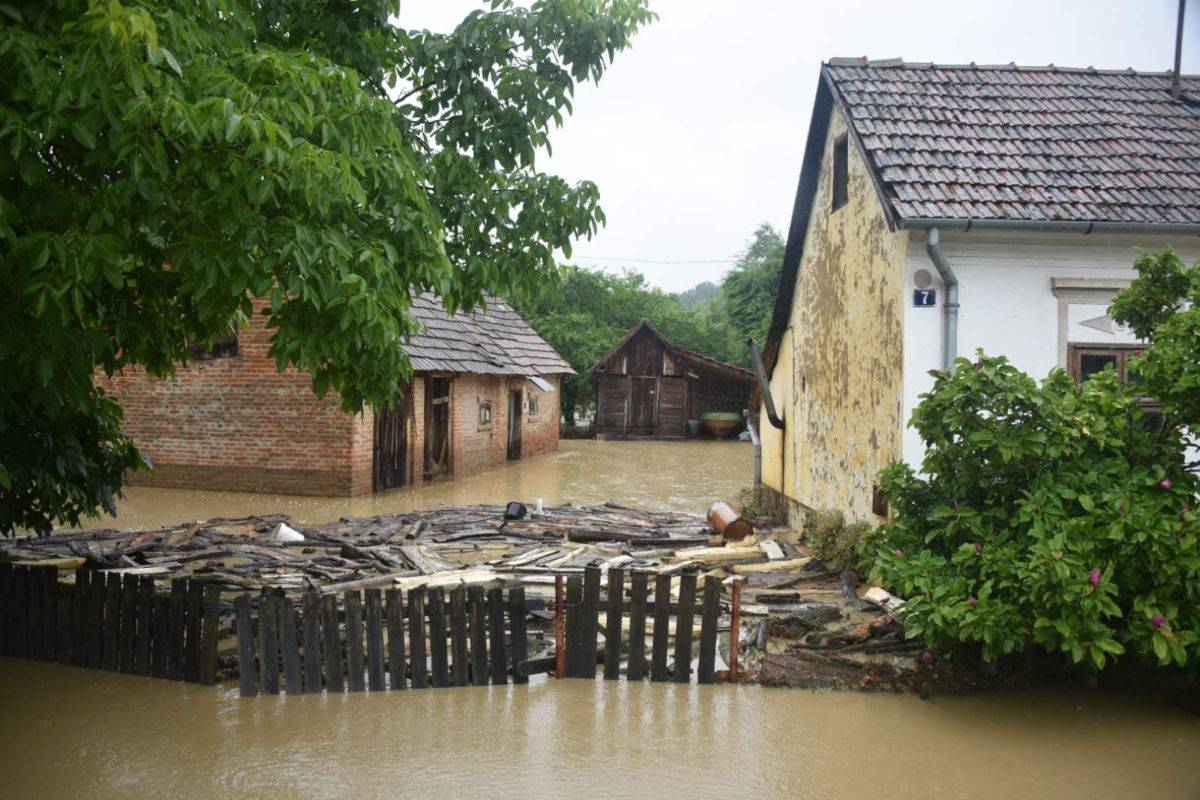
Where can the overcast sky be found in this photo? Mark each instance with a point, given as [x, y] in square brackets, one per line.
[696, 133]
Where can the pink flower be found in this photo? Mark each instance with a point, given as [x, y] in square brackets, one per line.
[927, 657]
[1094, 578]
[974, 601]
[1158, 620]
[978, 365]
[1166, 483]
[978, 548]
[899, 553]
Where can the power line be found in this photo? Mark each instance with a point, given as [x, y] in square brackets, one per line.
[654, 261]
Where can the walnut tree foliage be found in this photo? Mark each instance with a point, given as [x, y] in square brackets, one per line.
[162, 163]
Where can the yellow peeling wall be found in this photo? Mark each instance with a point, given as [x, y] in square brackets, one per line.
[839, 372]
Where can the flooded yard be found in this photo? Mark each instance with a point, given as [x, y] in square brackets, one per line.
[79, 733]
[676, 476]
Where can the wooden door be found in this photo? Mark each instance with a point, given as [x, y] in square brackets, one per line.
[614, 404]
[671, 404]
[643, 405]
[390, 462]
[514, 425]
[437, 427]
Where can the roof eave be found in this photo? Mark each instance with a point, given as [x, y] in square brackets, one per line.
[1048, 226]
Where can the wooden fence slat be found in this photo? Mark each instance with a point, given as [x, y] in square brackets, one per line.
[662, 622]
[516, 624]
[375, 676]
[191, 642]
[178, 629]
[161, 637]
[50, 613]
[65, 596]
[636, 668]
[458, 636]
[312, 642]
[416, 638]
[20, 612]
[112, 622]
[247, 673]
[573, 601]
[6, 608]
[142, 639]
[210, 628]
[397, 668]
[288, 644]
[496, 648]
[589, 621]
[709, 615]
[81, 606]
[683, 628]
[332, 640]
[95, 617]
[438, 663]
[33, 614]
[129, 600]
[612, 624]
[354, 641]
[477, 602]
[268, 644]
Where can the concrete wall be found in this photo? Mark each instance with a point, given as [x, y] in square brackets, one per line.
[844, 401]
[1009, 304]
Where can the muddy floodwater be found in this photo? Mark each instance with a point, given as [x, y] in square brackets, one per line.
[677, 476]
[70, 732]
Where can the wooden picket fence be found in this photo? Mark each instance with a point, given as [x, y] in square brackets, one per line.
[111, 621]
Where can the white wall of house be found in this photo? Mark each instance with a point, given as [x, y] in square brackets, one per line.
[1021, 295]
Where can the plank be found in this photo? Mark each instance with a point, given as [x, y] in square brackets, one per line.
[496, 646]
[612, 624]
[460, 665]
[31, 619]
[142, 638]
[375, 674]
[332, 638]
[662, 622]
[683, 628]
[247, 674]
[477, 608]
[589, 622]
[354, 642]
[80, 619]
[95, 616]
[50, 614]
[636, 668]
[288, 644]
[438, 664]
[178, 624]
[20, 612]
[268, 644]
[160, 637]
[395, 625]
[709, 615]
[311, 622]
[64, 597]
[191, 642]
[129, 617]
[419, 668]
[574, 613]
[516, 624]
[112, 621]
[6, 607]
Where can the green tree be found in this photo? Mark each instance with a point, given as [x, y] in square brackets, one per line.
[1059, 516]
[748, 291]
[162, 163]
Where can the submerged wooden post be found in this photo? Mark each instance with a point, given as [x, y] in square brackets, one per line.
[662, 622]
[683, 628]
[161, 637]
[332, 639]
[50, 613]
[129, 615]
[438, 661]
[268, 644]
[416, 638]
[397, 669]
[354, 642]
[64, 595]
[516, 624]
[288, 643]
[6, 606]
[20, 611]
[31, 613]
[496, 647]
[560, 629]
[460, 666]
[145, 632]
[735, 633]
[574, 642]
[80, 616]
[95, 621]
[612, 624]
[312, 641]
[191, 645]
[636, 669]
[112, 621]
[589, 622]
[247, 674]
[178, 628]
[477, 604]
[375, 676]
[709, 615]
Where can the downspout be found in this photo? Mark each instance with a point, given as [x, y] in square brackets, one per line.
[757, 446]
[933, 246]
[763, 386]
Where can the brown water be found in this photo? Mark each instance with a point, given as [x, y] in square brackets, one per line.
[683, 476]
[69, 732]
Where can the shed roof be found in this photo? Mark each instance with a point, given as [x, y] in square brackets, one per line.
[699, 359]
[492, 340]
[1037, 144]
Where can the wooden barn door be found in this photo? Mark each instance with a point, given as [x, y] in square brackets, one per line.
[672, 395]
[642, 406]
[437, 427]
[514, 425]
[391, 443]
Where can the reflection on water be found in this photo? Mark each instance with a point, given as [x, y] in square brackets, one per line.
[69, 732]
[684, 476]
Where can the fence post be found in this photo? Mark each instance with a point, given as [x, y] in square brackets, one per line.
[560, 630]
[247, 674]
[735, 633]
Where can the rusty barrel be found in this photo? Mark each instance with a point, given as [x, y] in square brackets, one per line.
[728, 522]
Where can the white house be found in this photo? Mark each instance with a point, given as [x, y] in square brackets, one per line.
[943, 209]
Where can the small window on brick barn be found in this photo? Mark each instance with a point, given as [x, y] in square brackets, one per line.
[226, 348]
[485, 413]
[841, 172]
[533, 406]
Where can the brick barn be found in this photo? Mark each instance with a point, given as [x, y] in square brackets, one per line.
[485, 390]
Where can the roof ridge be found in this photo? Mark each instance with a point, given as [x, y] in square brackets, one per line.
[900, 63]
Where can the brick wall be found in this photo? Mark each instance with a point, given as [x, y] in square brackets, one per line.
[539, 432]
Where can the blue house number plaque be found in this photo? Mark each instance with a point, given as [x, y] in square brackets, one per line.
[924, 298]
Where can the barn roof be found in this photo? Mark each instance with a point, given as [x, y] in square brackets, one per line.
[492, 340]
[700, 359]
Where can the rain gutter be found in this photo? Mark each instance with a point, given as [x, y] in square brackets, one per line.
[933, 246]
[764, 387]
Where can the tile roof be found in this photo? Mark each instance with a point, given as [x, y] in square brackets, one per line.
[1026, 143]
[490, 341]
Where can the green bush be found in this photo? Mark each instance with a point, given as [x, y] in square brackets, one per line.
[834, 542]
[1058, 516]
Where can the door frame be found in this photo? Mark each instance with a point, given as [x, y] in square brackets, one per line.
[430, 403]
[516, 398]
[400, 413]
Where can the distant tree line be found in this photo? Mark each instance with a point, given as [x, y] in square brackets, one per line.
[587, 311]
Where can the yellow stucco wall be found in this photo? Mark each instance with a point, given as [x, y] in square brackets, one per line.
[772, 438]
[840, 367]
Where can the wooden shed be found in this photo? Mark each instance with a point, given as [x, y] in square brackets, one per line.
[649, 387]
